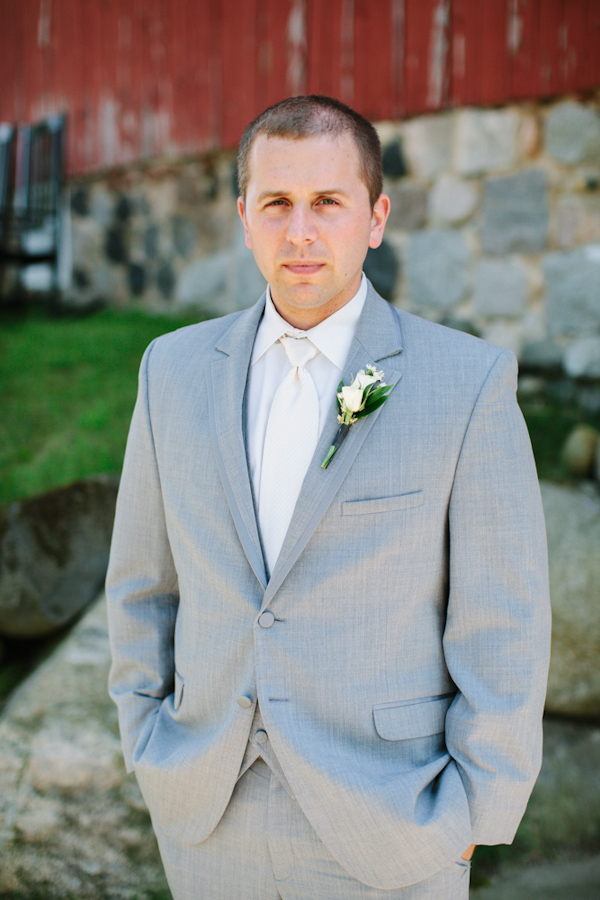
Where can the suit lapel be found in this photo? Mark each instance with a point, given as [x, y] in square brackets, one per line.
[226, 380]
[378, 337]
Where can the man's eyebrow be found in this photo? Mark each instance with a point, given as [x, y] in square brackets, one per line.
[325, 192]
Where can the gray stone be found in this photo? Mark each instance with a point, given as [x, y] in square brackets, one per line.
[500, 287]
[550, 858]
[123, 208]
[185, 236]
[577, 878]
[151, 240]
[579, 452]
[394, 164]
[577, 220]
[115, 245]
[460, 324]
[137, 279]
[588, 397]
[81, 278]
[73, 823]
[516, 213]
[166, 280]
[408, 205]
[573, 527]
[428, 144]
[101, 205]
[485, 140]
[203, 282]
[80, 201]
[381, 268]
[245, 282]
[573, 291]
[53, 555]
[452, 200]
[437, 264]
[573, 133]
[544, 355]
[583, 358]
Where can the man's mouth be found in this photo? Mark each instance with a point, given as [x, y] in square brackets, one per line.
[303, 267]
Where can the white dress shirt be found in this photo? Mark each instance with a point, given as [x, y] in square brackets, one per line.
[269, 366]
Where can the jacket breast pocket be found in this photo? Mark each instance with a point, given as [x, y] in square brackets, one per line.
[401, 720]
[383, 504]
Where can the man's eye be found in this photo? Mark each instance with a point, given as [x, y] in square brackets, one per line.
[276, 203]
[328, 201]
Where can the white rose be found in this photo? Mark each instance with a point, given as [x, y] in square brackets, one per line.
[365, 380]
[351, 397]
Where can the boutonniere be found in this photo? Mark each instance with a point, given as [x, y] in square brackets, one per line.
[367, 393]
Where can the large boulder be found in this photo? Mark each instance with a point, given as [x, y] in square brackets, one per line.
[53, 555]
[573, 526]
[73, 823]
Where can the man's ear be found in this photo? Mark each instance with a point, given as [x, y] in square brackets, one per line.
[381, 211]
[240, 206]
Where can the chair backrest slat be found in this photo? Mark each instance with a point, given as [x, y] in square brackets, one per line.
[31, 185]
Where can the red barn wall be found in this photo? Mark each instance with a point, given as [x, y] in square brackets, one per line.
[140, 78]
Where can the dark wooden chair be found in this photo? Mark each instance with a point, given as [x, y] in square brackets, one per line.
[32, 206]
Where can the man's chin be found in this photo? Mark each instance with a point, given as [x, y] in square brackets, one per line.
[304, 297]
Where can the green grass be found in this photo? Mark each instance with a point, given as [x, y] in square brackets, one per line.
[67, 390]
[68, 385]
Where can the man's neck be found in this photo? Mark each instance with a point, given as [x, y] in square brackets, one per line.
[306, 318]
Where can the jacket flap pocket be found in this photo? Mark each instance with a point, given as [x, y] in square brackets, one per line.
[383, 504]
[178, 691]
[399, 721]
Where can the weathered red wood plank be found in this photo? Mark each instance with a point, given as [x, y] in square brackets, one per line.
[69, 69]
[239, 67]
[191, 41]
[582, 41]
[12, 76]
[280, 51]
[523, 47]
[146, 77]
[291, 78]
[552, 48]
[426, 55]
[31, 51]
[374, 50]
[325, 49]
[480, 70]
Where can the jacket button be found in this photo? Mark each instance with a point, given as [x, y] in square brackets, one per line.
[261, 737]
[266, 619]
[244, 702]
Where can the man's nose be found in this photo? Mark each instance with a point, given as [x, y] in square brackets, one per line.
[301, 226]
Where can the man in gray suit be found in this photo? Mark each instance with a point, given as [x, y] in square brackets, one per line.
[330, 678]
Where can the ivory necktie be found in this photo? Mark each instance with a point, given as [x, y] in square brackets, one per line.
[290, 442]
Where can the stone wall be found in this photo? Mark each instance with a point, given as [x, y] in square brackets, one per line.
[495, 228]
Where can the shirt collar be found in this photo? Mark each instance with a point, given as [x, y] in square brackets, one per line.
[332, 337]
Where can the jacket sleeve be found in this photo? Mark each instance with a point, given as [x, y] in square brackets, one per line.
[141, 586]
[497, 635]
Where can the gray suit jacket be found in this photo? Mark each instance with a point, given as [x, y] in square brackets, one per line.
[402, 683]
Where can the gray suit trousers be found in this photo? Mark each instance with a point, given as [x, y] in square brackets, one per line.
[264, 848]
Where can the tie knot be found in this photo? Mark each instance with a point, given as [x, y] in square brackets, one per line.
[299, 349]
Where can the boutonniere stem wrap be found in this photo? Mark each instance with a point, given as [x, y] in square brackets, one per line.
[367, 392]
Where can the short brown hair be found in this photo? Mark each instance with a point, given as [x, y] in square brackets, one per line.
[309, 116]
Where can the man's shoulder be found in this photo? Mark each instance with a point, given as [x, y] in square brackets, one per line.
[449, 346]
[198, 342]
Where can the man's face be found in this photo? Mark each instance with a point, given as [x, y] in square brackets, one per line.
[309, 222]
